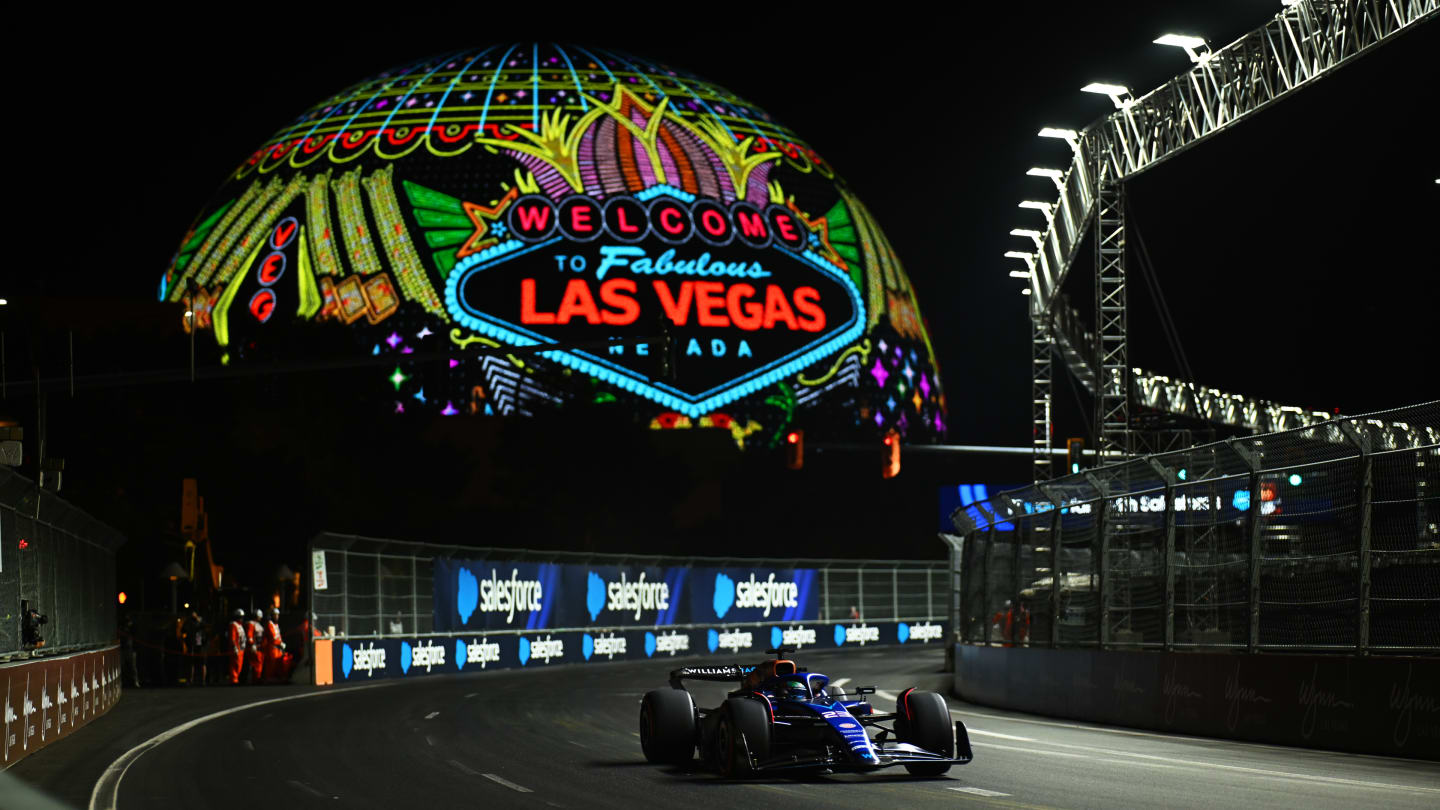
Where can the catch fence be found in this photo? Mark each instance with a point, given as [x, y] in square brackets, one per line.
[1323, 538]
[58, 560]
[376, 588]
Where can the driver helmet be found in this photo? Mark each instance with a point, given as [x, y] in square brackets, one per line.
[794, 691]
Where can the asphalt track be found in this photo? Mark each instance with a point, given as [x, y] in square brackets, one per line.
[567, 737]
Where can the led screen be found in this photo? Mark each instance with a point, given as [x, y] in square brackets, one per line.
[538, 195]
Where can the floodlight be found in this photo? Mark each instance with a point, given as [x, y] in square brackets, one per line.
[1069, 136]
[3, 302]
[1118, 93]
[1047, 208]
[1019, 274]
[1056, 176]
[1025, 291]
[1036, 236]
[1028, 258]
[1189, 43]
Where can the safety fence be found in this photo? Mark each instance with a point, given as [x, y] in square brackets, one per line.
[398, 608]
[58, 561]
[1322, 538]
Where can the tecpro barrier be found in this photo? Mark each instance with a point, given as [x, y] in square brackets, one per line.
[1373, 705]
[48, 698]
[368, 659]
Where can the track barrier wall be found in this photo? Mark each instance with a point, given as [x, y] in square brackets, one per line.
[48, 698]
[1388, 706]
[392, 609]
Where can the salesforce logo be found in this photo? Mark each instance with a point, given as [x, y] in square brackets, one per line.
[542, 650]
[767, 594]
[594, 595]
[923, 632]
[608, 645]
[467, 595]
[724, 597]
[425, 654]
[476, 652]
[733, 640]
[861, 635]
[510, 595]
[361, 659]
[670, 643]
[797, 637]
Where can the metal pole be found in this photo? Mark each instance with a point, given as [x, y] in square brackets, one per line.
[414, 598]
[1102, 565]
[895, 593]
[985, 586]
[1169, 560]
[1367, 484]
[1055, 579]
[825, 590]
[1253, 525]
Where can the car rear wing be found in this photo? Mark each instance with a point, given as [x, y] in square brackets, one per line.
[714, 672]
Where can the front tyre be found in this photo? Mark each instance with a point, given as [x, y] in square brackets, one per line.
[923, 720]
[667, 726]
[742, 737]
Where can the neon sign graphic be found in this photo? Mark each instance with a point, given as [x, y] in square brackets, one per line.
[563, 196]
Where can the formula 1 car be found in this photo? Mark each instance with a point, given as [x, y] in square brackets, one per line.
[785, 718]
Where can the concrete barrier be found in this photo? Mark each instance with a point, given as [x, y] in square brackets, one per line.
[1373, 705]
[48, 698]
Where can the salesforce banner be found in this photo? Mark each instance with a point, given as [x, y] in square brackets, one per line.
[501, 595]
[359, 661]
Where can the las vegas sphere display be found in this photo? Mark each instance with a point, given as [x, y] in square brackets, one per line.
[524, 195]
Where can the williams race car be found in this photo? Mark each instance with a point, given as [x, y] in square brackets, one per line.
[785, 718]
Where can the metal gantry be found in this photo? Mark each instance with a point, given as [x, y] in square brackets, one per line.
[1304, 42]
[1041, 376]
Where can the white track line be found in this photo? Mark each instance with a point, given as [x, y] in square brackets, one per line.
[247, 745]
[106, 792]
[839, 681]
[432, 715]
[1137, 759]
[312, 791]
[500, 780]
[978, 791]
[984, 733]
[887, 695]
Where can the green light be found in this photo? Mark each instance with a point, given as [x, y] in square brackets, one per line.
[1074, 468]
[1295, 479]
[398, 378]
[1181, 475]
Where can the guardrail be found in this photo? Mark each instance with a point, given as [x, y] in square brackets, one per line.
[58, 560]
[393, 608]
[1325, 538]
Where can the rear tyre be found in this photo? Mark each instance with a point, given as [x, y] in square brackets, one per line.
[744, 727]
[667, 726]
[923, 720]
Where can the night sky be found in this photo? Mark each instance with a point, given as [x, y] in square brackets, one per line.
[1294, 252]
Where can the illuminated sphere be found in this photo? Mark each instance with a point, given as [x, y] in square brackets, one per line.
[537, 195]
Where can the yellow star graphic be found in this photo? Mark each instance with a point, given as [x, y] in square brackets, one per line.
[478, 214]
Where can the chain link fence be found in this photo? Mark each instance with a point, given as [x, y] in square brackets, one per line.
[376, 588]
[1322, 538]
[57, 560]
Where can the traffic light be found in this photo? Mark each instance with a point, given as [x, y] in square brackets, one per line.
[795, 449]
[891, 455]
[1075, 454]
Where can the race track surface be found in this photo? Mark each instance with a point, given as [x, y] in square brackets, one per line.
[567, 738]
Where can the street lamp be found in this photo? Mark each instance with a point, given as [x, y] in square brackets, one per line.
[1069, 136]
[1118, 93]
[1189, 43]
[1028, 258]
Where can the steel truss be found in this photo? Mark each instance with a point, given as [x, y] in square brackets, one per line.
[1041, 376]
[1303, 43]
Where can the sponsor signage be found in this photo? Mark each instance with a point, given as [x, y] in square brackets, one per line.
[361, 660]
[755, 595]
[45, 699]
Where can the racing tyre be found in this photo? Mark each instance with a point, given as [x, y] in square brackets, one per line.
[744, 727]
[667, 726]
[923, 720]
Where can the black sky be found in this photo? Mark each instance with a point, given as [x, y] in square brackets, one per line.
[1295, 252]
[1291, 250]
